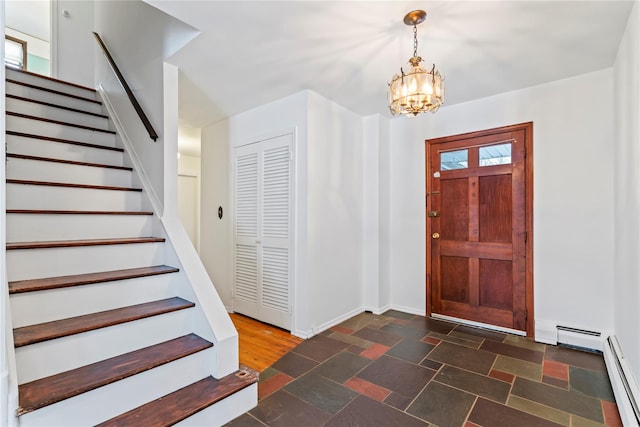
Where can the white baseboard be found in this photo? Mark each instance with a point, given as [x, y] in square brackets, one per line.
[315, 330]
[378, 310]
[410, 310]
[625, 389]
[546, 332]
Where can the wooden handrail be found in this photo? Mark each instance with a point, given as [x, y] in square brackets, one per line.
[136, 105]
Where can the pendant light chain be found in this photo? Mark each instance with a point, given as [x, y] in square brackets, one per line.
[415, 41]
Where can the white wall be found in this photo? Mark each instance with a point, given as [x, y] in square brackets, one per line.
[139, 51]
[72, 41]
[573, 170]
[335, 212]
[626, 151]
[215, 233]
[328, 203]
[375, 224]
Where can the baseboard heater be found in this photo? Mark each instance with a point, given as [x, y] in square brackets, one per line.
[578, 331]
[618, 358]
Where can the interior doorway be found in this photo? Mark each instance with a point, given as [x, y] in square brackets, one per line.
[479, 227]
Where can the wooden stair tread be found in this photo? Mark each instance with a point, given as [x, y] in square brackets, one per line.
[53, 79]
[57, 92]
[59, 122]
[49, 390]
[66, 184]
[88, 242]
[32, 334]
[183, 403]
[60, 212]
[63, 141]
[49, 104]
[32, 285]
[69, 162]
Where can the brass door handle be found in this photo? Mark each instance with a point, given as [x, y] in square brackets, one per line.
[435, 235]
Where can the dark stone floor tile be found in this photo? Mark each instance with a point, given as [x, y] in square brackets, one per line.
[513, 351]
[442, 405]
[582, 359]
[366, 319]
[321, 392]
[294, 365]
[556, 382]
[320, 347]
[482, 333]
[404, 331]
[245, 420]
[397, 375]
[427, 324]
[471, 343]
[342, 366]
[397, 401]
[399, 314]
[568, 401]
[431, 364]
[474, 383]
[367, 412]
[488, 413]
[463, 357]
[281, 409]
[592, 383]
[410, 350]
[267, 373]
[378, 335]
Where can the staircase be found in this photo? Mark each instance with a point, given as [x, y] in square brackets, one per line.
[104, 332]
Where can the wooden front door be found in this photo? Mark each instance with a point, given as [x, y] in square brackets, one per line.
[479, 223]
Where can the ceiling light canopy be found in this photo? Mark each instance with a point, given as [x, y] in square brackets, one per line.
[418, 90]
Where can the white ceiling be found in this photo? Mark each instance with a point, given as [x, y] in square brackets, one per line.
[252, 52]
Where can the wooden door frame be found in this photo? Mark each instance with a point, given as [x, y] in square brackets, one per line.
[528, 144]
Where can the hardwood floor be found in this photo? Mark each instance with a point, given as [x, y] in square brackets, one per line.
[261, 345]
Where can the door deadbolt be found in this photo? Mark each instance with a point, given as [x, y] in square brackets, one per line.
[435, 235]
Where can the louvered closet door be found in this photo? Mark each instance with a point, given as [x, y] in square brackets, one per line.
[263, 230]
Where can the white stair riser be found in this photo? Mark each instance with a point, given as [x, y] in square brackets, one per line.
[54, 98]
[53, 113]
[111, 400]
[31, 308]
[57, 150]
[38, 227]
[225, 410]
[37, 170]
[47, 358]
[21, 196]
[37, 127]
[39, 81]
[26, 264]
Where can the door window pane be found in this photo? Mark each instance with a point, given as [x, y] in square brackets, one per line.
[15, 52]
[451, 160]
[495, 155]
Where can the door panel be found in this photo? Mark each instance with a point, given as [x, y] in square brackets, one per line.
[263, 219]
[477, 227]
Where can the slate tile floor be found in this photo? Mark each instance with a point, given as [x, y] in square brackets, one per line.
[403, 370]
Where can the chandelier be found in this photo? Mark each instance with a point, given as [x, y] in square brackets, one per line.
[418, 90]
